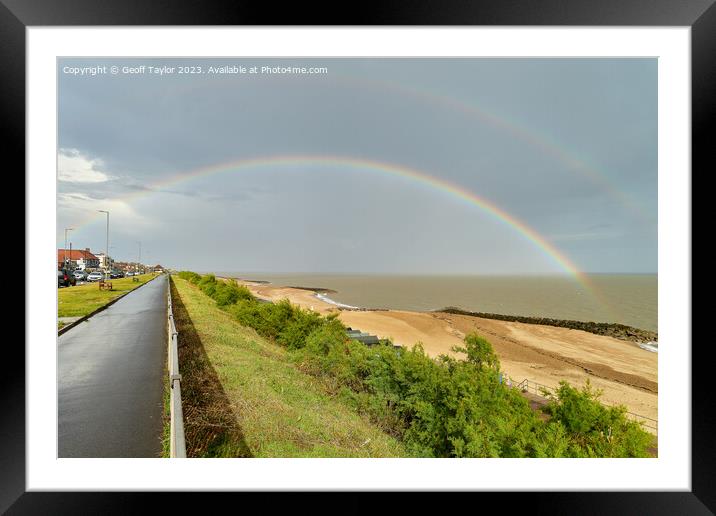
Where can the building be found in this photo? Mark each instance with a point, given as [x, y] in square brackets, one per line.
[158, 268]
[77, 259]
[105, 262]
[124, 266]
[127, 266]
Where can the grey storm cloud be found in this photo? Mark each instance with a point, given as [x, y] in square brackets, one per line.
[567, 146]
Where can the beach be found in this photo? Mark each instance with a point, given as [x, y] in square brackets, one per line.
[626, 373]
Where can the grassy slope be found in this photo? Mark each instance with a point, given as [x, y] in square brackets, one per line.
[83, 299]
[166, 419]
[250, 399]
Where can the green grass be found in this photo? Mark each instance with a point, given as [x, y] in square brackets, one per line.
[81, 300]
[243, 396]
[166, 419]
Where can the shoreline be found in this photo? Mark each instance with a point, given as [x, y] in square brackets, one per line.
[619, 331]
[625, 372]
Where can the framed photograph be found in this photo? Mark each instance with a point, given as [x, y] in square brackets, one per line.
[416, 251]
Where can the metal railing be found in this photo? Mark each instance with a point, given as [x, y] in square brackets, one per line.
[177, 445]
[536, 388]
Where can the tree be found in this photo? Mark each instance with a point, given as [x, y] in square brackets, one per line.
[479, 352]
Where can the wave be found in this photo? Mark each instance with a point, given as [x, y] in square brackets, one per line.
[327, 299]
[649, 346]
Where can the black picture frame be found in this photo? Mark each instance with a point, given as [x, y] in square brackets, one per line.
[699, 15]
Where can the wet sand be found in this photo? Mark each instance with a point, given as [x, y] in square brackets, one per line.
[626, 373]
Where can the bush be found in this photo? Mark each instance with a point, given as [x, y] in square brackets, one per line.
[455, 408]
[298, 327]
[245, 311]
[595, 430]
[327, 352]
[225, 293]
[193, 277]
[272, 318]
[329, 335]
[208, 285]
[479, 352]
[228, 293]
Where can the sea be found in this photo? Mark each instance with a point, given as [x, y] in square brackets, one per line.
[629, 299]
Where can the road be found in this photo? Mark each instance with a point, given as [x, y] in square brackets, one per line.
[111, 378]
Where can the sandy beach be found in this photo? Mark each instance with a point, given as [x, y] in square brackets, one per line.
[624, 372]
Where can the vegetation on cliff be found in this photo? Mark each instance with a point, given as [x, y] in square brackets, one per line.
[437, 408]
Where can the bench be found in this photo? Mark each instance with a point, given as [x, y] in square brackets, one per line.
[105, 285]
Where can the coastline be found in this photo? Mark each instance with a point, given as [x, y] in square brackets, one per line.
[616, 330]
[625, 372]
[626, 299]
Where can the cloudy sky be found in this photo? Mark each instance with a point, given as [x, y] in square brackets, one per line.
[565, 147]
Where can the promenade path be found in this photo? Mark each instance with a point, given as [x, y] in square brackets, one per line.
[110, 378]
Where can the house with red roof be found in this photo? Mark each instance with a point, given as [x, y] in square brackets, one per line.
[77, 258]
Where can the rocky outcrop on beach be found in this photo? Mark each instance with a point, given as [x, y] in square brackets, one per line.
[318, 290]
[617, 331]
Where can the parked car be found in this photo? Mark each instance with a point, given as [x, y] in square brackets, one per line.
[80, 275]
[95, 276]
[65, 278]
[116, 274]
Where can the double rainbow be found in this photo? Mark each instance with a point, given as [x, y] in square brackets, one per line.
[338, 163]
[343, 163]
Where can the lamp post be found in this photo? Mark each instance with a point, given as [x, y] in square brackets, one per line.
[112, 247]
[65, 260]
[139, 259]
[106, 252]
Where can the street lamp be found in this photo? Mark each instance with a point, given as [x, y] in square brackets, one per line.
[65, 261]
[114, 253]
[106, 252]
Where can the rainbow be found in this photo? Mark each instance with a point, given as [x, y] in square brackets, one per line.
[539, 141]
[390, 169]
[433, 182]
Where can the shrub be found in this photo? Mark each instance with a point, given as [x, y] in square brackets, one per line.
[272, 318]
[246, 312]
[327, 353]
[225, 293]
[479, 352]
[193, 277]
[298, 327]
[595, 430]
[329, 335]
[208, 285]
[229, 292]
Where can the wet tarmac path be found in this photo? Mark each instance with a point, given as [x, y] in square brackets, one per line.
[111, 378]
